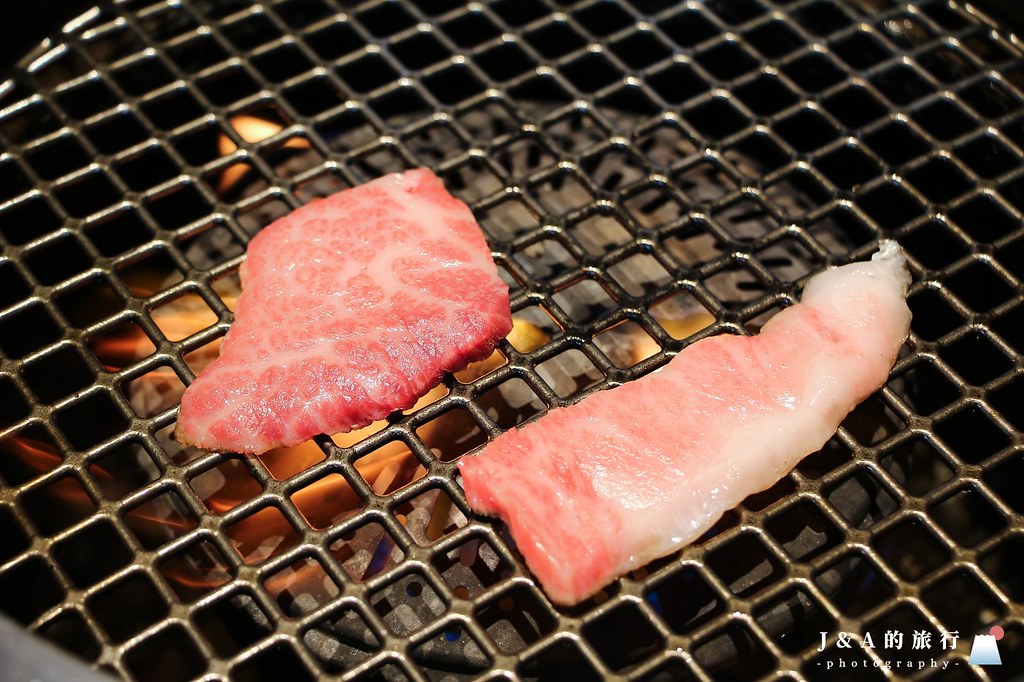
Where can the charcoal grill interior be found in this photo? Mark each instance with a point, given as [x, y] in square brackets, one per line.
[647, 173]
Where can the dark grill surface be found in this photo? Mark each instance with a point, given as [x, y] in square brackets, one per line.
[644, 171]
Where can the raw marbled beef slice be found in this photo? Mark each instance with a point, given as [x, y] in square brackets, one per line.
[352, 307]
[604, 486]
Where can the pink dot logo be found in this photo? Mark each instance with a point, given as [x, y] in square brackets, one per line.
[996, 632]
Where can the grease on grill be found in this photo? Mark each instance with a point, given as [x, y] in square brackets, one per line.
[661, 186]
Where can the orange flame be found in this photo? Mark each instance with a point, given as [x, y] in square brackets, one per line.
[41, 457]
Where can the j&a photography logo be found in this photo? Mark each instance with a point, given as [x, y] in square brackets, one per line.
[914, 651]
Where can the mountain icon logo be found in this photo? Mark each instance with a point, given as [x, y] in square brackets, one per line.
[985, 651]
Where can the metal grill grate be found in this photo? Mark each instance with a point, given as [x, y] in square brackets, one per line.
[642, 170]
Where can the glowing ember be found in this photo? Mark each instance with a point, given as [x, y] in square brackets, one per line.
[183, 317]
[644, 346]
[254, 129]
[251, 129]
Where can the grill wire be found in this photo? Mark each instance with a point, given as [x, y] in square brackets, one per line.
[621, 158]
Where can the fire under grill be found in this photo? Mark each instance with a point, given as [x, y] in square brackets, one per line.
[647, 173]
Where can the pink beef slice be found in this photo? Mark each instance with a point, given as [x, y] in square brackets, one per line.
[602, 487]
[352, 307]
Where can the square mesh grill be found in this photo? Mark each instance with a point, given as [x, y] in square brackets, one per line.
[647, 173]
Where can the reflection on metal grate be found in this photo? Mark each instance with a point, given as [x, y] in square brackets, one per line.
[645, 172]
